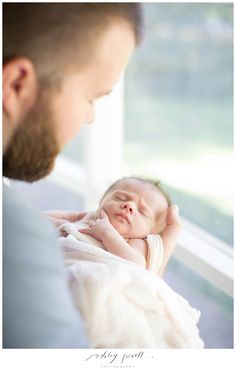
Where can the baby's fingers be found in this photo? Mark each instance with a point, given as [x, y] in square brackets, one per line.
[86, 231]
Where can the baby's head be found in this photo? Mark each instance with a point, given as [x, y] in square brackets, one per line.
[136, 207]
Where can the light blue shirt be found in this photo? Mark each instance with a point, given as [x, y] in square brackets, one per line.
[38, 311]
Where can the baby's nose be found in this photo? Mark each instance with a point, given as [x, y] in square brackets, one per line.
[129, 207]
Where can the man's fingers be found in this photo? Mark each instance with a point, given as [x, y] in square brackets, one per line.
[75, 216]
[173, 215]
[173, 227]
[70, 216]
[56, 222]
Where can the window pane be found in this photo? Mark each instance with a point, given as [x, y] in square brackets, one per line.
[216, 320]
[179, 109]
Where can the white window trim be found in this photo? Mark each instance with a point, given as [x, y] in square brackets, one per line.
[207, 256]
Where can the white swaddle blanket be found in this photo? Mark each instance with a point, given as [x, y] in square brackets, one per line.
[124, 305]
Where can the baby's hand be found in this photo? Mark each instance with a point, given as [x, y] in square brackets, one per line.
[100, 227]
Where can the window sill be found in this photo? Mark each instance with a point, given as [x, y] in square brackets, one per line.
[207, 256]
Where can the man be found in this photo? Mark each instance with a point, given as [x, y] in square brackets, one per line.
[58, 59]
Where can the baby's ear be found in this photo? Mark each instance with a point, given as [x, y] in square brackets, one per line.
[103, 214]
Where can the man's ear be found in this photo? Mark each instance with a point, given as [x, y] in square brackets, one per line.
[20, 87]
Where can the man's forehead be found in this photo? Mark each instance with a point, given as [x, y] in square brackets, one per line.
[111, 55]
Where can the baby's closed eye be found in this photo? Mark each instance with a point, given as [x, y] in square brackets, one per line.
[144, 213]
[120, 197]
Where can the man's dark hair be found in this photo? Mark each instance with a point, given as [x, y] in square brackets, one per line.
[56, 36]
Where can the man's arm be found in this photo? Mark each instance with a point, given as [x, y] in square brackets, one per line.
[58, 217]
[38, 310]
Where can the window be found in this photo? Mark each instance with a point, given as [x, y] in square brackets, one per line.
[179, 109]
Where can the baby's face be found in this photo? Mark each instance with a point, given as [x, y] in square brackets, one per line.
[135, 209]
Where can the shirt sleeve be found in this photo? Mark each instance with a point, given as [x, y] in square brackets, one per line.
[38, 311]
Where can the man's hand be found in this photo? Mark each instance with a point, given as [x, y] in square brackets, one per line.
[100, 228]
[59, 217]
[170, 234]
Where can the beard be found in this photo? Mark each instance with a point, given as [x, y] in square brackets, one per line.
[33, 148]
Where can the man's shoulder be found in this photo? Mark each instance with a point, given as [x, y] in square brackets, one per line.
[38, 310]
[21, 220]
[19, 210]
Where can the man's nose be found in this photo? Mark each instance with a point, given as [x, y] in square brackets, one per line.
[91, 116]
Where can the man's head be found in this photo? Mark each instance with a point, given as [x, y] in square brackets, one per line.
[136, 207]
[58, 59]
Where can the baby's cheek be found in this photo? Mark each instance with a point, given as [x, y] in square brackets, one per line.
[106, 209]
[109, 214]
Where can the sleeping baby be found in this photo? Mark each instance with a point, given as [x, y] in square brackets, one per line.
[131, 215]
[114, 258]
